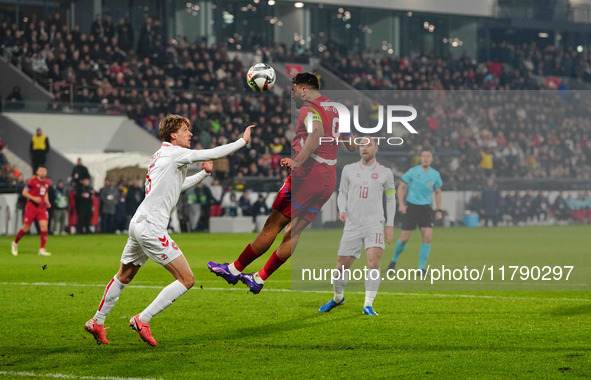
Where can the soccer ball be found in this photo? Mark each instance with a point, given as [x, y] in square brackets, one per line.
[260, 77]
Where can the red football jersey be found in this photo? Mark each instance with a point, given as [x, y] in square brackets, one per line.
[38, 188]
[326, 153]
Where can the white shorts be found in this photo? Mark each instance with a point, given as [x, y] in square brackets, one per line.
[147, 241]
[353, 240]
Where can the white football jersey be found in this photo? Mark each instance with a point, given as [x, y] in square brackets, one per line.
[166, 176]
[360, 194]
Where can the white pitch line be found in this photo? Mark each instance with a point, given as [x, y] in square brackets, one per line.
[242, 289]
[66, 376]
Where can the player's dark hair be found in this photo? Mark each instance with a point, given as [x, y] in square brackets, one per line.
[42, 166]
[310, 80]
[427, 149]
[171, 124]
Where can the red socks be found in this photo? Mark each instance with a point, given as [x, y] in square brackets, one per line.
[271, 266]
[246, 257]
[43, 239]
[20, 234]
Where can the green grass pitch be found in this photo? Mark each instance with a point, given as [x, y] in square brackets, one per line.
[221, 331]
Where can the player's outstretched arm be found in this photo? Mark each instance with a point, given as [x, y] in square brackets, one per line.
[185, 157]
[206, 169]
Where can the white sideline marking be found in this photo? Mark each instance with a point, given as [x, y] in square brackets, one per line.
[242, 289]
[66, 376]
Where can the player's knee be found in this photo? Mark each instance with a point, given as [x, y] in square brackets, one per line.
[264, 240]
[188, 281]
[427, 240]
[374, 264]
[125, 278]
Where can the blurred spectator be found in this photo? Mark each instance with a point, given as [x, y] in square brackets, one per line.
[135, 195]
[121, 209]
[229, 205]
[60, 209]
[83, 197]
[476, 204]
[560, 207]
[205, 199]
[193, 209]
[183, 213]
[145, 44]
[216, 191]
[540, 207]
[15, 171]
[491, 203]
[260, 207]
[109, 196]
[39, 149]
[15, 99]
[244, 204]
[79, 172]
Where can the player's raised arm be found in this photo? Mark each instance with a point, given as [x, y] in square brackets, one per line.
[185, 157]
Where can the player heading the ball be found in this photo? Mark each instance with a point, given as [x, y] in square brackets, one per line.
[310, 184]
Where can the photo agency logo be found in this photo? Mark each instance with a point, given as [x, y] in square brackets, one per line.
[341, 126]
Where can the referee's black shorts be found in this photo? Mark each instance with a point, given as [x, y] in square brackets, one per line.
[415, 214]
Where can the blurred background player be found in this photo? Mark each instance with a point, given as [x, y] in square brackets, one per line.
[148, 235]
[361, 208]
[37, 194]
[308, 187]
[418, 182]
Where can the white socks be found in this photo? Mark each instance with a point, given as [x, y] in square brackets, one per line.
[371, 289]
[257, 278]
[110, 297]
[233, 270]
[166, 297]
[339, 287]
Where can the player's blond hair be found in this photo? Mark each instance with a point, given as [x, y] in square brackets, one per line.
[171, 124]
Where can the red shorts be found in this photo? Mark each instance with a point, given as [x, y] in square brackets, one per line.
[305, 195]
[34, 212]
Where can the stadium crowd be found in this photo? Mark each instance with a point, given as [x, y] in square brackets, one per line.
[110, 71]
[528, 207]
[107, 73]
[530, 58]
